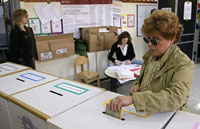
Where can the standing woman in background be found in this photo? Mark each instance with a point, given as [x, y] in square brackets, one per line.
[22, 42]
[124, 51]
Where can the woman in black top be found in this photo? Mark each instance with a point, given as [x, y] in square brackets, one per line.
[22, 41]
[124, 51]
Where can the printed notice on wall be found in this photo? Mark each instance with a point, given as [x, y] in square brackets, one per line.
[80, 16]
[187, 10]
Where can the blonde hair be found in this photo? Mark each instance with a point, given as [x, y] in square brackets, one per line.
[164, 23]
[18, 15]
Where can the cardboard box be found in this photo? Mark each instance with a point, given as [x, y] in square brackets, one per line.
[34, 107]
[43, 50]
[54, 46]
[99, 38]
[62, 47]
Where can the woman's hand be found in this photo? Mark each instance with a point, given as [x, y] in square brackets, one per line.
[128, 62]
[117, 103]
[117, 62]
[134, 89]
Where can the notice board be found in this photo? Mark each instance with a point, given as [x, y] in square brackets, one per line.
[143, 11]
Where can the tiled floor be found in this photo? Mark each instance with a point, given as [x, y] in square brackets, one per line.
[194, 100]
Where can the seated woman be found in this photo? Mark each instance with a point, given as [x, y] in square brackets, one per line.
[124, 51]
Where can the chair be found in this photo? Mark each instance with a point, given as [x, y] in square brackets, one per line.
[86, 75]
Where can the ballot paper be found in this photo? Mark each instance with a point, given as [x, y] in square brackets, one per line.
[126, 72]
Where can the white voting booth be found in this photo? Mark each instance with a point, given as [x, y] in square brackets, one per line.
[10, 68]
[33, 107]
[15, 83]
[184, 120]
[88, 115]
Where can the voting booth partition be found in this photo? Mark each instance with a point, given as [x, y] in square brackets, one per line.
[90, 115]
[10, 68]
[33, 107]
[184, 120]
[16, 83]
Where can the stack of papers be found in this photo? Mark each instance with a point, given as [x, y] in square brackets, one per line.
[126, 72]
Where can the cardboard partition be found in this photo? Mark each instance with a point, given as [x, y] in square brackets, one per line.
[54, 46]
[99, 38]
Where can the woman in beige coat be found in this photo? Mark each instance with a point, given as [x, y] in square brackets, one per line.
[167, 73]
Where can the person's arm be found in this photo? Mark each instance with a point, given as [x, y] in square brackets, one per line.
[130, 52]
[33, 43]
[110, 55]
[169, 99]
[13, 47]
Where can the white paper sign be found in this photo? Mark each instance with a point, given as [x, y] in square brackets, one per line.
[187, 10]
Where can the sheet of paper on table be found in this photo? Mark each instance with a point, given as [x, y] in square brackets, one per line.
[126, 73]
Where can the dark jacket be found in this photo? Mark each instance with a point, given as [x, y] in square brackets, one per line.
[115, 49]
[22, 46]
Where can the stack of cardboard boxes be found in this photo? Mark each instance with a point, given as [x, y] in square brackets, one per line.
[54, 46]
[99, 38]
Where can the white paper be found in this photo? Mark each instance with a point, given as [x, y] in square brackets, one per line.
[43, 13]
[61, 51]
[117, 20]
[124, 21]
[54, 12]
[46, 28]
[80, 16]
[57, 27]
[46, 55]
[124, 71]
[71, 88]
[131, 21]
[187, 10]
[8, 67]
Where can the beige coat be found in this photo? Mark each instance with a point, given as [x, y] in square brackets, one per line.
[166, 82]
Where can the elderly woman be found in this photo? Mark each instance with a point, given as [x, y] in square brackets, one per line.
[22, 41]
[167, 73]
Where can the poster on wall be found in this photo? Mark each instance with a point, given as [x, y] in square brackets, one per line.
[56, 27]
[86, 2]
[48, 12]
[117, 20]
[187, 12]
[46, 28]
[80, 16]
[143, 11]
[124, 21]
[131, 20]
[35, 24]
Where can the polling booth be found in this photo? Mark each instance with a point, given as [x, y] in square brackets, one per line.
[91, 115]
[33, 107]
[16, 83]
[10, 68]
[184, 120]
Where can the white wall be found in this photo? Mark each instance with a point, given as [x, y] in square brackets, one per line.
[60, 67]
